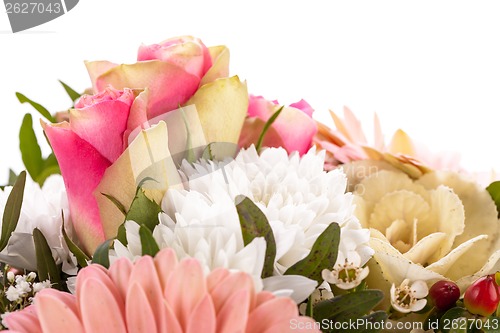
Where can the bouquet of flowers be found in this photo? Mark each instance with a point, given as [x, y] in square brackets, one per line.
[174, 201]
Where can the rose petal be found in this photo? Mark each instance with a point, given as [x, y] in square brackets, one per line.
[147, 156]
[222, 106]
[220, 64]
[96, 69]
[93, 124]
[169, 85]
[82, 168]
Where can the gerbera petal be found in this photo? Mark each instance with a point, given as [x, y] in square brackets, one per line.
[56, 313]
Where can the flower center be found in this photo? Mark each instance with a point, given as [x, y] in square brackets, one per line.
[405, 297]
[347, 272]
[402, 234]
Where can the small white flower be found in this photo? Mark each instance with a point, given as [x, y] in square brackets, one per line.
[2, 317]
[11, 276]
[31, 277]
[23, 287]
[37, 286]
[347, 274]
[12, 294]
[406, 298]
[319, 295]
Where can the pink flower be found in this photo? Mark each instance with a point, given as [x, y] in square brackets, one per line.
[177, 72]
[293, 129]
[159, 295]
[172, 71]
[347, 143]
[85, 147]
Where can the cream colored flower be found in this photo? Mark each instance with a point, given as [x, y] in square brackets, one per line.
[442, 225]
[347, 274]
[406, 298]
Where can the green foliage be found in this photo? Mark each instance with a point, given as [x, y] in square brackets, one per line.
[148, 243]
[494, 191]
[254, 224]
[268, 124]
[30, 149]
[101, 254]
[143, 210]
[323, 255]
[12, 210]
[70, 91]
[81, 257]
[46, 266]
[351, 308]
[43, 111]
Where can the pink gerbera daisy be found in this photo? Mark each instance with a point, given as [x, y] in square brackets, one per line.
[159, 295]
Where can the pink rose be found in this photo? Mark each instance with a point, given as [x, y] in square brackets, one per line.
[85, 147]
[178, 72]
[293, 129]
[172, 71]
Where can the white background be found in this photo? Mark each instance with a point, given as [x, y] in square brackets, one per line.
[429, 67]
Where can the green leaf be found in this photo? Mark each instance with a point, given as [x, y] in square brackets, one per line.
[371, 323]
[45, 263]
[149, 245]
[70, 91]
[30, 150]
[12, 178]
[455, 320]
[309, 307]
[12, 210]
[494, 191]
[268, 124]
[218, 151]
[254, 224]
[491, 325]
[43, 111]
[46, 173]
[122, 234]
[101, 254]
[81, 257]
[348, 307]
[144, 210]
[323, 255]
[117, 203]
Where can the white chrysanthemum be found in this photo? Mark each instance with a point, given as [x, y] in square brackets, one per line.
[42, 209]
[299, 199]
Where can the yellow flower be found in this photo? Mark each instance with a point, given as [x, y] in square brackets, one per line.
[442, 225]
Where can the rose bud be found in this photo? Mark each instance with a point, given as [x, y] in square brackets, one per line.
[482, 296]
[444, 294]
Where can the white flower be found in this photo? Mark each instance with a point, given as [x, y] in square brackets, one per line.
[347, 275]
[11, 276]
[406, 298]
[320, 294]
[42, 209]
[298, 198]
[13, 294]
[2, 317]
[37, 286]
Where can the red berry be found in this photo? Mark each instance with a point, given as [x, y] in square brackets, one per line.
[444, 294]
[482, 296]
